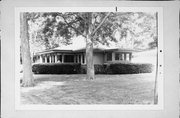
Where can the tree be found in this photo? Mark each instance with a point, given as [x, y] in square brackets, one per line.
[68, 25]
[28, 79]
[137, 30]
[156, 77]
[97, 27]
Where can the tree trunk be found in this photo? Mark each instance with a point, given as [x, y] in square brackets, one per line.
[156, 81]
[90, 31]
[89, 58]
[89, 49]
[28, 79]
[156, 77]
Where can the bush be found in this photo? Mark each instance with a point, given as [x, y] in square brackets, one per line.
[128, 68]
[115, 68]
[56, 68]
[99, 69]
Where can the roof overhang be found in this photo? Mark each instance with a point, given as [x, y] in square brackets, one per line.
[54, 51]
[82, 50]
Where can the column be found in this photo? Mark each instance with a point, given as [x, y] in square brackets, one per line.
[55, 58]
[41, 59]
[74, 58]
[45, 59]
[62, 58]
[50, 58]
[130, 56]
[78, 58]
[113, 56]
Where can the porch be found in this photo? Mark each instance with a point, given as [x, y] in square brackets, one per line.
[60, 58]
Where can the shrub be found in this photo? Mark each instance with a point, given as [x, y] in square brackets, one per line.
[83, 69]
[128, 68]
[99, 69]
[115, 68]
[56, 68]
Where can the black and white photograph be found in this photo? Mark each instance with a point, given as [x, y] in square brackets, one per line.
[73, 59]
[104, 57]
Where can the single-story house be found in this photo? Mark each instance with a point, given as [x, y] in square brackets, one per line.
[68, 54]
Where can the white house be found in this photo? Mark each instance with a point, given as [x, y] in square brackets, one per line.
[68, 54]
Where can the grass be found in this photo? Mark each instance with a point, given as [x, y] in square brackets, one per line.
[75, 89]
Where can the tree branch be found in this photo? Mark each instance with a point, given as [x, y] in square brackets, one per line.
[80, 15]
[73, 27]
[101, 23]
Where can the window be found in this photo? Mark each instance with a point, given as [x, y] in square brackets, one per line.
[43, 59]
[116, 56]
[76, 59]
[120, 56]
[59, 58]
[48, 59]
[69, 58]
[109, 56]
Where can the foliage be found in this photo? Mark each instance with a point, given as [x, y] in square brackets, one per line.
[56, 68]
[98, 68]
[73, 24]
[127, 29]
[128, 68]
[116, 68]
[136, 30]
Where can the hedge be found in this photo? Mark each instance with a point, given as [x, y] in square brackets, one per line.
[115, 68]
[56, 68]
[128, 68]
[98, 68]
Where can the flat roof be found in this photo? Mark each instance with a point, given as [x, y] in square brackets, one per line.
[95, 49]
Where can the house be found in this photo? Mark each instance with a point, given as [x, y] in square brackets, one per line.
[69, 54]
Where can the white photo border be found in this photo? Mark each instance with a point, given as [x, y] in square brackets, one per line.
[158, 106]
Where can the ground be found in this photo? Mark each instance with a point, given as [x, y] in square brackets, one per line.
[75, 89]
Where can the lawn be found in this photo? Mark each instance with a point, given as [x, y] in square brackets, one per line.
[75, 89]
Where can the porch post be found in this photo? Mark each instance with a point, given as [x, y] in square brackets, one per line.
[78, 58]
[130, 56]
[40, 58]
[62, 58]
[45, 59]
[49, 58]
[55, 58]
[113, 56]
